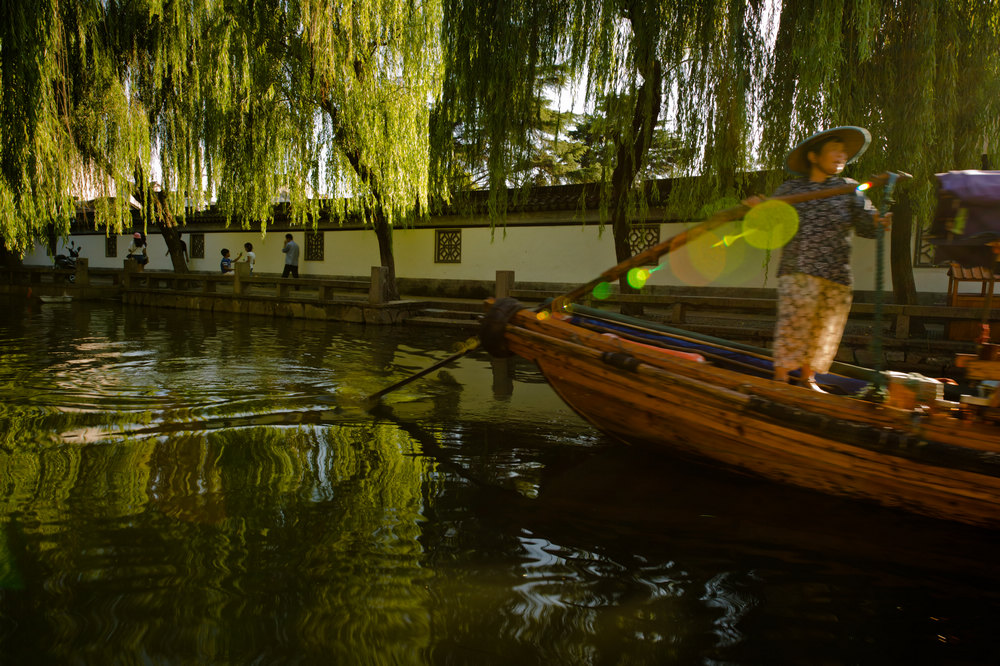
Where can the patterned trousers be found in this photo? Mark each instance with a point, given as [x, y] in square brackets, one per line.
[812, 313]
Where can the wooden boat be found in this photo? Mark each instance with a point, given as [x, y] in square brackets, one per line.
[701, 398]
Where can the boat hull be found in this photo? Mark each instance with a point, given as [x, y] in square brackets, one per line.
[931, 464]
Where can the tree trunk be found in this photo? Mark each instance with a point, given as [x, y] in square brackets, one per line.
[51, 239]
[376, 213]
[164, 220]
[167, 224]
[383, 232]
[629, 158]
[173, 239]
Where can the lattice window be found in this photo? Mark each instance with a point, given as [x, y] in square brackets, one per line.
[923, 249]
[111, 246]
[448, 246]
[196, 249]
[314, 246]
[642, 237]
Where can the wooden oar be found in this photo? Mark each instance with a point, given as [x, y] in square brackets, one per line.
[467, 346]
[650, 255]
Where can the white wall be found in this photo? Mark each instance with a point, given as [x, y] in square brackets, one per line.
[567, 254]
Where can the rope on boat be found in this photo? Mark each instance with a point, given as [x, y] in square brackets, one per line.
[716, 358]
[493, 326]
[734, 398]
[633, 330]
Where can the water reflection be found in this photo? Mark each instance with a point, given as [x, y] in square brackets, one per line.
[195, 488]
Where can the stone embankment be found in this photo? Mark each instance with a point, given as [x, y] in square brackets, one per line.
[920, 338]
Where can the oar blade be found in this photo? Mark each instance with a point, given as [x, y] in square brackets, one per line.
[372, 400]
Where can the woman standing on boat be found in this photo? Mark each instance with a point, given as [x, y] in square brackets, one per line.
[814, 275]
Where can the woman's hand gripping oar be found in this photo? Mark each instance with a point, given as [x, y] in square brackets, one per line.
[372, 400]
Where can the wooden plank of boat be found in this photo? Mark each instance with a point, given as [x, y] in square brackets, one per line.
[559, 328]
[982, 369]
[870, 421]
[973, 434]
[936, 426]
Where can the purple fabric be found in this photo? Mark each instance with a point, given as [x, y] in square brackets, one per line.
[979, 193]
[974, 188]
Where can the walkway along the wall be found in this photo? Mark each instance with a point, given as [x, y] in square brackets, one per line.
[240, 292]
[307, 298]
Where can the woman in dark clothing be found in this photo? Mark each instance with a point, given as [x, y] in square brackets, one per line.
[814, 276]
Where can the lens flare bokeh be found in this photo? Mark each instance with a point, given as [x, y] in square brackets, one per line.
[770, 224]
[637, 277]
[710, 256]
[601, 291]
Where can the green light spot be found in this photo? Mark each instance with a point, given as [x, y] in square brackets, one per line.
[602, 291]
[637, 277]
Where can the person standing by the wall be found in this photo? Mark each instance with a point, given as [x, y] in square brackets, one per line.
[291, 250]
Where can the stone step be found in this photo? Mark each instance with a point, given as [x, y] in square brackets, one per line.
[447, 313]
[468, 324]
[456, 305]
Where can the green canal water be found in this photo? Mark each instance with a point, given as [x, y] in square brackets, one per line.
[188, 488]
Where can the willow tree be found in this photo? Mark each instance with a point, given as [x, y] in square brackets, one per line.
[330, 97]
[740, 81]
[324, 99]
[642, 61]
[922, 75]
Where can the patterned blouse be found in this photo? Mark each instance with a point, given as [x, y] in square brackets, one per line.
[822, 246]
